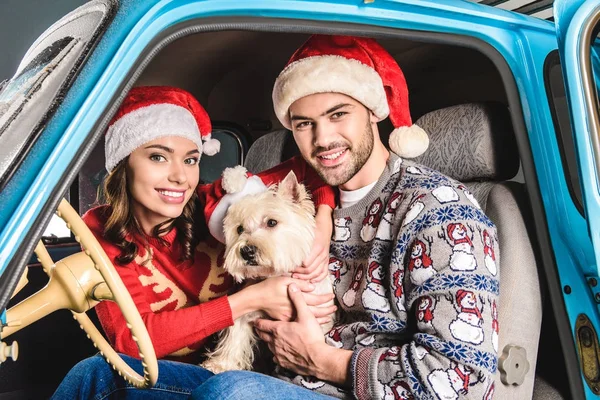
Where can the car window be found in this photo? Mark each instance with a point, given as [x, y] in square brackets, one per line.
[231, 154]
[557, 97]
[45, 73]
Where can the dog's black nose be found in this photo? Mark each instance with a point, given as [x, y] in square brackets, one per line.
[248, 252]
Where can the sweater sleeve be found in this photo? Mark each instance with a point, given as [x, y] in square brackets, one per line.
[170, 331]
[443, 272]
[321, 192]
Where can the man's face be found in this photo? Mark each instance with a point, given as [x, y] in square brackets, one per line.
[334, 134]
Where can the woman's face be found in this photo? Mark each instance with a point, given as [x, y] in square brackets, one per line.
[162, 176]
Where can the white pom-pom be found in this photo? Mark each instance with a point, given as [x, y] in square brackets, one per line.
[409, 141]
[211, 147]
[234, 179]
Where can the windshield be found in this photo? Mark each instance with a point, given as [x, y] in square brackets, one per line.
[47, 71]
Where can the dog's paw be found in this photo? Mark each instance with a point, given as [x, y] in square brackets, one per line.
[214, 366]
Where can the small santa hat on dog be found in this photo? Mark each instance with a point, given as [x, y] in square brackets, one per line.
[357, 67]
[235, 184]
[152, 112]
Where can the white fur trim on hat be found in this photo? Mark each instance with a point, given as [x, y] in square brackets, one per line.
[253, 185]
[328, 74]
[409, 141]
[146, 124]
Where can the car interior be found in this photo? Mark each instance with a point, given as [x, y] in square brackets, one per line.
[458, 93]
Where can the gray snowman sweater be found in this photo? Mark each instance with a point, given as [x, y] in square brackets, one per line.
[415, 271]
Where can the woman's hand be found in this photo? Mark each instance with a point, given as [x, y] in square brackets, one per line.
[315, 267]
[271, 296]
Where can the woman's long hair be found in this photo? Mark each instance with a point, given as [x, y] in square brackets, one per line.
[121, 223]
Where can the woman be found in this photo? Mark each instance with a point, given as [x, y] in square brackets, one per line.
[152, 230]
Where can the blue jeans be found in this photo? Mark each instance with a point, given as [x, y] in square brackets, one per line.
[94, 378]
[245, 385]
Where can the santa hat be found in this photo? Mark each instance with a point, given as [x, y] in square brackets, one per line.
[357, 67]
[236, 183]
[152, 112]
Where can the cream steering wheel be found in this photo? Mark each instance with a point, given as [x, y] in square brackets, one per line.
[79, 282]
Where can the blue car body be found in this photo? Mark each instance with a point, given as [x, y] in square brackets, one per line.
[522, 43]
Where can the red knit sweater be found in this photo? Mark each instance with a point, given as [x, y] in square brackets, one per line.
[173, 296]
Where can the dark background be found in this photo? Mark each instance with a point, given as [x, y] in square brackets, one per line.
[21, 22]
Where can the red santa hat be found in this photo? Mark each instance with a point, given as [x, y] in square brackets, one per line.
[152, 112]
[357, 67]
[236, 183]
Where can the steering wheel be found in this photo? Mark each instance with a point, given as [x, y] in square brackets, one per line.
[79, 282]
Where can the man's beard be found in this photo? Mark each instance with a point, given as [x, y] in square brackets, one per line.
[359, 155]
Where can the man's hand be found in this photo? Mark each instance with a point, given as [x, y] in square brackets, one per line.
[300, 345]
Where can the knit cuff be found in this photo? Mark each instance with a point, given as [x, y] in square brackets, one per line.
[359, 365]
[219, 315]
[324, 195]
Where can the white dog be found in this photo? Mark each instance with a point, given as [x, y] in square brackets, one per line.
[266, 234]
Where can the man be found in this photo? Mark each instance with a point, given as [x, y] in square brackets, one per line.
[415, 295]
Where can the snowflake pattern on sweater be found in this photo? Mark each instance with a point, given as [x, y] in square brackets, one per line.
[415, 270]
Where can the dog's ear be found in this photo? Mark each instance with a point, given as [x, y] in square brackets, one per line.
[291, 189]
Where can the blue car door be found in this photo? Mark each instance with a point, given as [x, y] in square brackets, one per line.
[577, 24]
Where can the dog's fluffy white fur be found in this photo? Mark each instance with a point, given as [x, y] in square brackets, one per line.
[278, 225]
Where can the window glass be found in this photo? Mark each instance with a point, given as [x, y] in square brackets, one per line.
[230, 155]
[45, 74]
[562, 124]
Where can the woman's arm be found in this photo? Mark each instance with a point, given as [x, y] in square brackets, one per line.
[170, 331]
[316, 266]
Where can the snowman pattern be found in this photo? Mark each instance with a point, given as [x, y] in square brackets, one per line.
[371, 221]
[489, 257]
[336, 270]
[462, 258]
[334, 337]
[362, 336]
[397, 165]
[469, 195]
[421, 352]
[456, 380]
[468, 325]
[414, 209]
[385, 227]
[489, 394]
[414, 170]
[310, 382]
[424, 313]
[397, 390]
[495, 326]
[374, 296]
[398, 286]
[341, 229]
[445, 194]
[391, 355]
[349, 298]
[420, 265]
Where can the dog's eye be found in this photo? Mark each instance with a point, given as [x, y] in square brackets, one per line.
[271, 223]
[240, 230]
